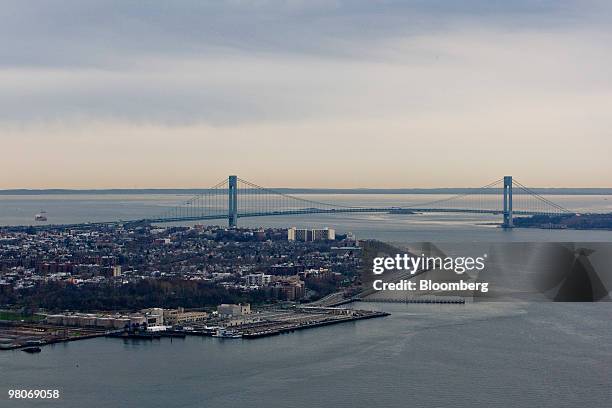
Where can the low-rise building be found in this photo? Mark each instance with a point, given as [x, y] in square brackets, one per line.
[96, 321]
[232, 310]
[154, 316]
[289, 289]
[180, 316]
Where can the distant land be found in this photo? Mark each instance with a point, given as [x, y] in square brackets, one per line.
[193, 191]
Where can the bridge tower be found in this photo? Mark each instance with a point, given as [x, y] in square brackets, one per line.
[232, 196]
[508, 223]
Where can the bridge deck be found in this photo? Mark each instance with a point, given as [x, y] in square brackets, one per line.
[340, 211]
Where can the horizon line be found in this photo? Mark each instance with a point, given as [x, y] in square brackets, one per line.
[302, 190]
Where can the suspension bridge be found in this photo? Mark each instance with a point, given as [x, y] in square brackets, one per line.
[235, 198]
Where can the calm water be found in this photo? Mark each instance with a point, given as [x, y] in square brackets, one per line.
[65, 209]
[475, 355]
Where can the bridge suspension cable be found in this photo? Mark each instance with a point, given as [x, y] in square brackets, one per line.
[477, 192]
[556, 207]
[294, 198]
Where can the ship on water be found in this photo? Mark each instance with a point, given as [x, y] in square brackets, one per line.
[227, 334]
[41, 216]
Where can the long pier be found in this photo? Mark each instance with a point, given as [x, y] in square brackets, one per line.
[361, 315]
[424, 300]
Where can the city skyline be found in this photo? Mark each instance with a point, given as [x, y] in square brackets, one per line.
[311, 94]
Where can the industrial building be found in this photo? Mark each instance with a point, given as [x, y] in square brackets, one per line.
[153, 317]
[109, 322]
[180, 316]
[232, 310]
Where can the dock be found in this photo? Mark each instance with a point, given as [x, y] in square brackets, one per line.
[422, 300]
[253, 333]
[269, 321]
[272, 322]
[16, 335]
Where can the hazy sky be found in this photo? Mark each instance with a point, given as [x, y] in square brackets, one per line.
[306, 93]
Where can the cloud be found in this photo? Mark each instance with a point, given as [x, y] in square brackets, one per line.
[104, 33]
[408, 77]
[345, 79]
[234, 61]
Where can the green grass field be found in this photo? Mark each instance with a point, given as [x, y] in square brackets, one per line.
[9, 315]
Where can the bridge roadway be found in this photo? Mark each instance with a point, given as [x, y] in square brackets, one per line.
[224, 216]
[390, 210]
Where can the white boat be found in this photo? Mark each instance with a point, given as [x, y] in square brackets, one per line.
[41, 216]
[227, 334]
